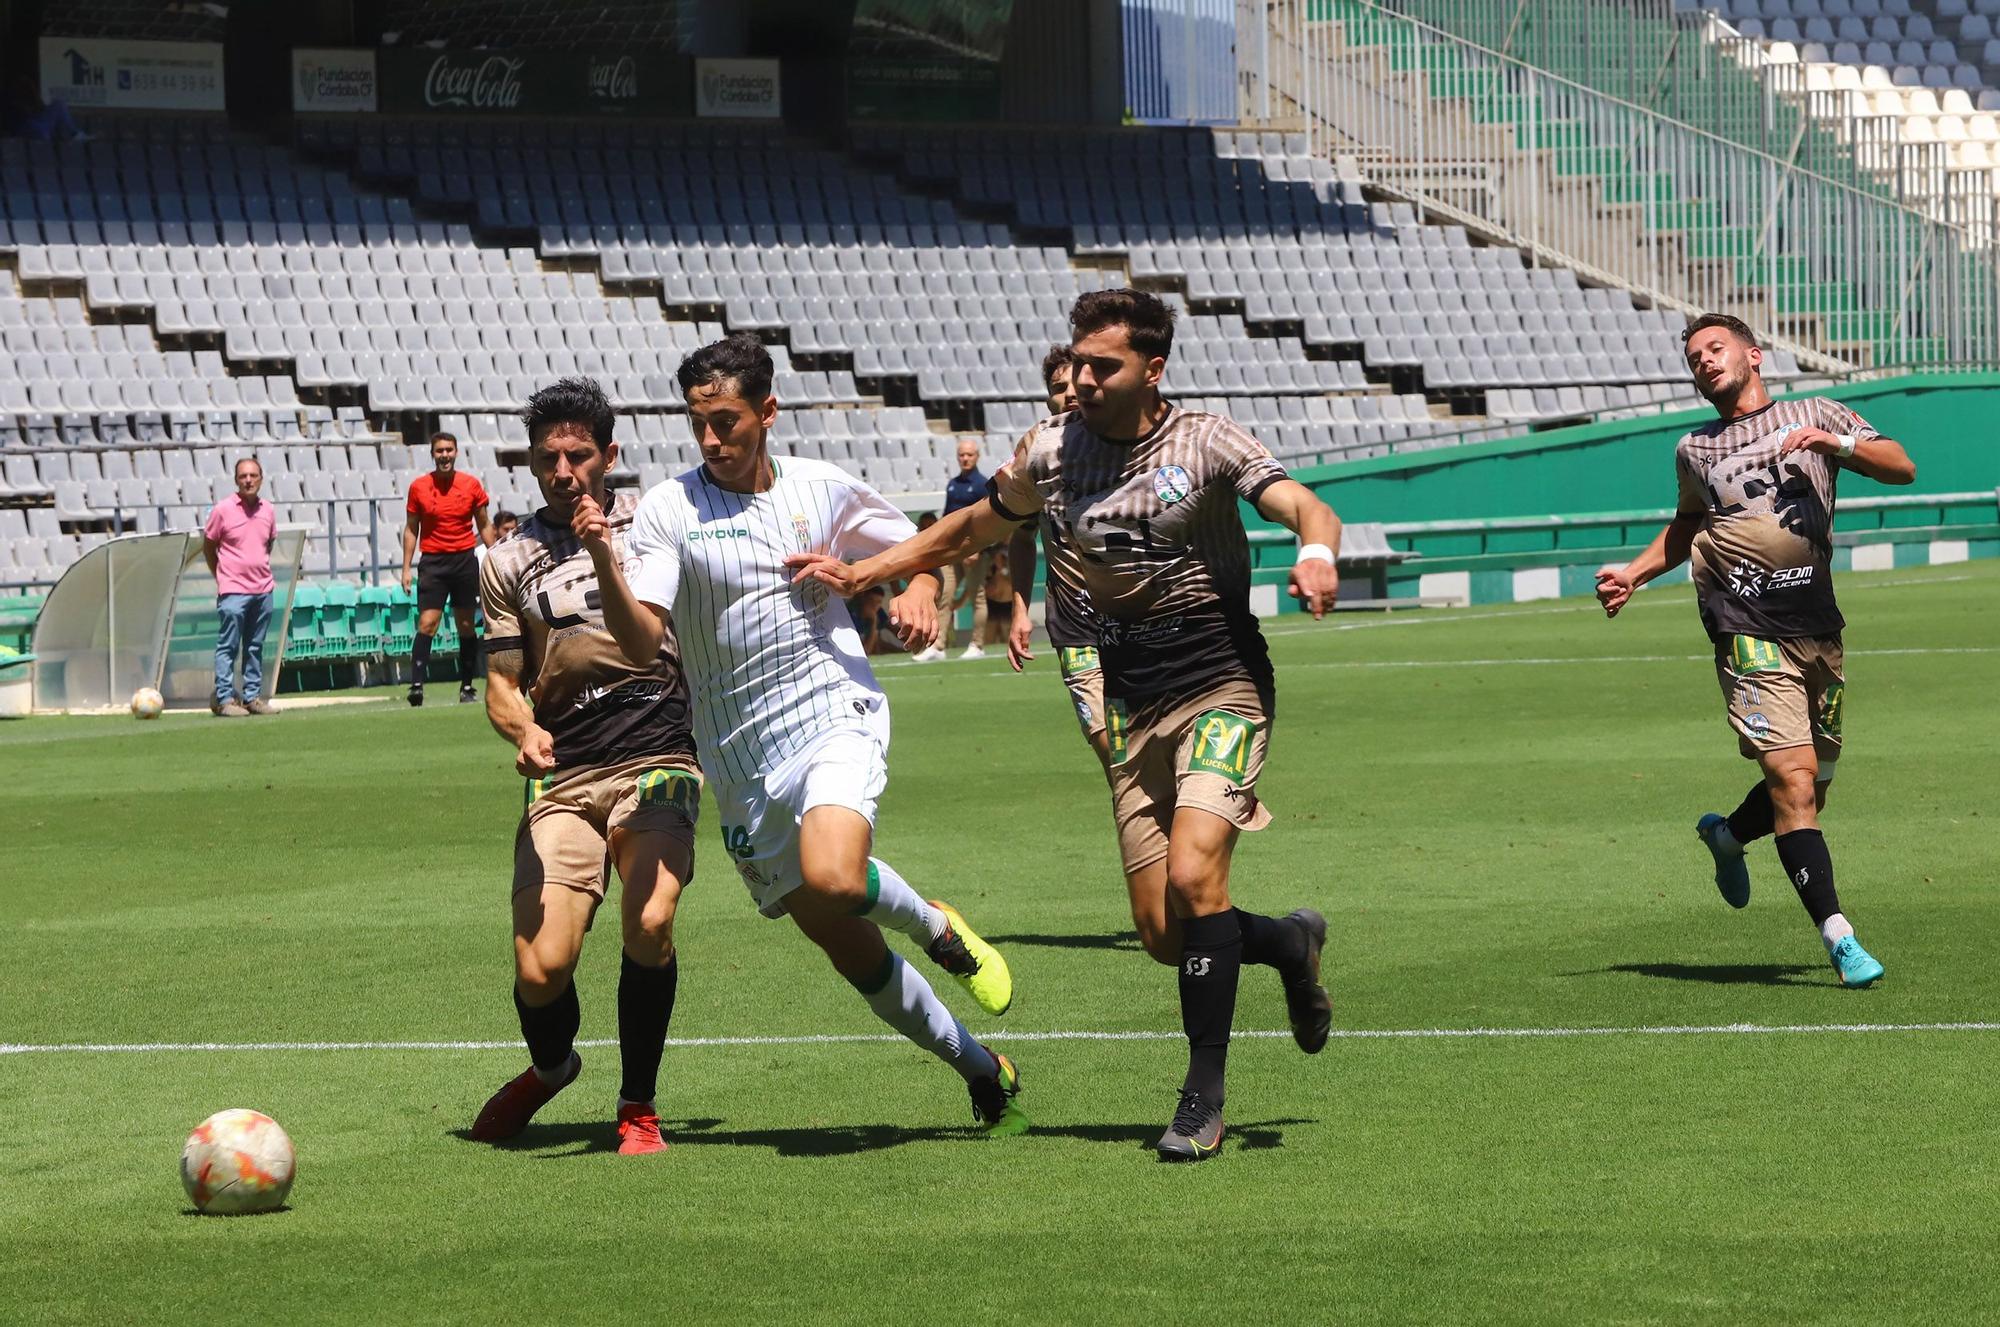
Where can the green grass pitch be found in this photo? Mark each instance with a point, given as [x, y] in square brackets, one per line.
[1493, 807]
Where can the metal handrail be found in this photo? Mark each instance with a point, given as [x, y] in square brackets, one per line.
[1844, 276]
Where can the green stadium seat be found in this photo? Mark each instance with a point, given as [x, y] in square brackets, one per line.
[302, 637]
[336, 623]
[371, 616]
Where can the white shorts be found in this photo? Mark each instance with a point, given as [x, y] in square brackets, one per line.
[846, 766]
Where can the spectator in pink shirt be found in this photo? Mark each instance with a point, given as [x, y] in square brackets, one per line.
[237, 543]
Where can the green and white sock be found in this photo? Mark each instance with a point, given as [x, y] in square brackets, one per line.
[902, 998]
[894, 906]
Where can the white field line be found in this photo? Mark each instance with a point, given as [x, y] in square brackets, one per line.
[1339, 1034]
[1519, 661]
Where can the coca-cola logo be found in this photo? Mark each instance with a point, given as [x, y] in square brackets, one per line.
[493, 84]
[615, 81]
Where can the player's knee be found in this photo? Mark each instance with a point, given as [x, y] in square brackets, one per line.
[539, 981]
[649, 936]
[832, 890]
[542, 970]
[1793, 788]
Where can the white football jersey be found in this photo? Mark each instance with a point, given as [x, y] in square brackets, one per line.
[770, 665]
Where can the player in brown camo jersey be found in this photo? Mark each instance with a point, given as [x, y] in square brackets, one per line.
[1756, 516]
[1148, 493]
[609, 756]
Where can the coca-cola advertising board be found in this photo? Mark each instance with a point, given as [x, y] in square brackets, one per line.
[525, 82]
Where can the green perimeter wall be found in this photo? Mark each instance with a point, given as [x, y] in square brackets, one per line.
[1950, 423]
[1576, 497]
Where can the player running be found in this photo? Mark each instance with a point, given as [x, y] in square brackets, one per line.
[1756, 515]
[1068, 619]
[612, 780]
[1146, 494]
[793, 729]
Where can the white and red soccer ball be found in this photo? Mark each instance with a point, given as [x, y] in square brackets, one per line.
[237, 1161]
[147, 703]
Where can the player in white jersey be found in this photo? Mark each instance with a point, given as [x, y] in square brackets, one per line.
[793, 729]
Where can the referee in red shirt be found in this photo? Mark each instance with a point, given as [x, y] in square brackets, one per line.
[447, 518]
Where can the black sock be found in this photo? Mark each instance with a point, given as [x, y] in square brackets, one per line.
[645, 1006]
[1272, 942]
[468, 659]
[1755, 818]
[1807, 862]
[420, 658]
[550, 1031]
[1211, 959]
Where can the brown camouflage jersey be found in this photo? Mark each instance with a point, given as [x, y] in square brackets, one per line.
[1763, 558]
[1150, 529]
[545, 624]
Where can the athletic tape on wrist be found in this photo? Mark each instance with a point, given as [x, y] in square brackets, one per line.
[1314, 553]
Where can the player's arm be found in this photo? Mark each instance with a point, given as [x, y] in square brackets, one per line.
[1315, 581]
[208, 551]
[409, 546]
[953, 539]
[508, 708]
[1880, 459]
[1021, 557]
[639, 627]
[1668, 550]
[483, 525]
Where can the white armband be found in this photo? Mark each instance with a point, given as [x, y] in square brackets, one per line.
[1314, 553]
[1848, 442]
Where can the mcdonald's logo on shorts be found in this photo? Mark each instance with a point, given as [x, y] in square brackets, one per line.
[1222, 743]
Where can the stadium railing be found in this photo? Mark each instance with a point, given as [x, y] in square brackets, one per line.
[1827, 267]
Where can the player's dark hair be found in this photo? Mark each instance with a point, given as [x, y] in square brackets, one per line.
[1059, 357]
[570, 401]
[442, 436]
[503, 516]
[1726, 322]
[1148, 320]
[740, 358]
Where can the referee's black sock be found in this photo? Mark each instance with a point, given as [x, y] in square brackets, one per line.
[1755, 818]
[550, 1030]
[1810, 866]
[420, 658]
[1271, 942]
[468, 659]
[645, 1007]
[1211, 960]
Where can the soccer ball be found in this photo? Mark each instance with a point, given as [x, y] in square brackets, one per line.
[237, 1161]
[147, 703]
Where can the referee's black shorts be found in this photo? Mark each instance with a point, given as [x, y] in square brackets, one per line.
[448, 576]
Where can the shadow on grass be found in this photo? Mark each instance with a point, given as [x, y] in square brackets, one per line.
[1113, 940]
[557, 1141]
[227, 1216]
[1719, 974]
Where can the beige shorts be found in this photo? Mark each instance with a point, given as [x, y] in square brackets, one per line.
[565, 832]
[1084, 677]
[1783, 694]
[1207, 752]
